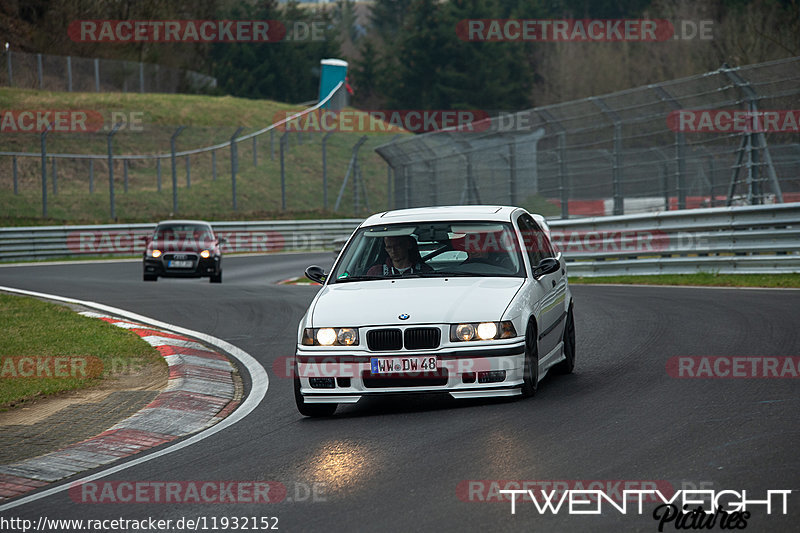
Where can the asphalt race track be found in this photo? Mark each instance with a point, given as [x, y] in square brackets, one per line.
[397, 464]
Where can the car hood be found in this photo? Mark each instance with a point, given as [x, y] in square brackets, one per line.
[426, 300]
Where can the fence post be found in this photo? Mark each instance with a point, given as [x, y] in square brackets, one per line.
[512, 171]
[141, 77]
[234, 163]
[174, 169]
[213, 165]
[616, 157]
[680, 154]
[712, 174]
[158, 173]
[16, 180]
[55, 177]
[125, 175]
[430, 166]
[39, 69]
[388, 186]
[10, 70]
[44, 170]
[325, 170]
[352, 166]
[563, 174]
[272, 144]
[91, 176]
[96, 75]
[680, 145]
[116, 127]
[188, 173]
[69, 73]
[284, 141]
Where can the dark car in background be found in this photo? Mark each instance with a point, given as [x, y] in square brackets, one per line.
[183, 249]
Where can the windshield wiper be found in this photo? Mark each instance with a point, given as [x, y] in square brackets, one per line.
[358, 278]
[446, 274]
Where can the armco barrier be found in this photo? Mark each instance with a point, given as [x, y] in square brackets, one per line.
[751, 239]
[32, 243]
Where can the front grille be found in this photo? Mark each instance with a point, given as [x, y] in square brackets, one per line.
[381, 340]
[422, 338]
[426, 379]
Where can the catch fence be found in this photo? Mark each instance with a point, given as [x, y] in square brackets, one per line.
[728, 137]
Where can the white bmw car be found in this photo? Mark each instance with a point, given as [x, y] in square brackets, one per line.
[468, 300]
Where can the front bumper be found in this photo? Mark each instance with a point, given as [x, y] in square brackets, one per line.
[199, 267]
[469, 372]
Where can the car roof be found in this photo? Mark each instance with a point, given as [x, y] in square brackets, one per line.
[200, 222]
[497, 213]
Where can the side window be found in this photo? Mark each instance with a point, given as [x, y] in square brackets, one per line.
[537, 245]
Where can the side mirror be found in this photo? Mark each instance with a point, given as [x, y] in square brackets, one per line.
[548, 265]
[222, 240]
[315, 273]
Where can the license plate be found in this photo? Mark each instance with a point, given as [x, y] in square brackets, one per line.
[180, 264]
[395, 365]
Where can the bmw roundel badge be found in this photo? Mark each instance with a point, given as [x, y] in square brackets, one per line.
[404, 316]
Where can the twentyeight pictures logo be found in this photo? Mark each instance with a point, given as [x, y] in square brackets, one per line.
[176, 31]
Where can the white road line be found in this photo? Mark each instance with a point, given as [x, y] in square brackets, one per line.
[258, 375]
[713, 287]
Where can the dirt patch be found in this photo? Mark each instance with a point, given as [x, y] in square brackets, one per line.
[152, 377]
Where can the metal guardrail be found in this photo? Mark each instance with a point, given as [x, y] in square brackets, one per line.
[726, 240]
[35, 243]
[753, 239]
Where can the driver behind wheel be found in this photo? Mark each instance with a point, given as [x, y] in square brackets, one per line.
[402, 258]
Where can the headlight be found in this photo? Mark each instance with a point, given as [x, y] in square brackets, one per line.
[465, 332]
[330, 337]
[482, 331]
[205, 254]
[156, 253]
[487, 330]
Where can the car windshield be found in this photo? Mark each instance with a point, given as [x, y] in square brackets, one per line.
[198, 233]
[431, 249]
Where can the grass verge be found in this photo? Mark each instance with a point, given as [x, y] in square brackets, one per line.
[699, 279]
[204, 187]
[47, 349]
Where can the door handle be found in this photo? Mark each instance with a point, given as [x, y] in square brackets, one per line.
[554, 283]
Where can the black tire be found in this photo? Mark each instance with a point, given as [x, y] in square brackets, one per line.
[311, 409]
[216, 278]
[568, 364]
[530, 374]
[150, 277]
